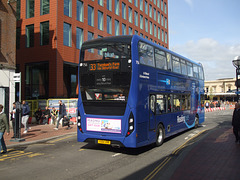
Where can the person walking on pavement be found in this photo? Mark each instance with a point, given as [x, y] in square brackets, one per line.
[13, 115]
[3, 127]
[236, 122]
[25, 116]
[62, 112]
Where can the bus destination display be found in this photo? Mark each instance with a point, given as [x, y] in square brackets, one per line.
[104, 66]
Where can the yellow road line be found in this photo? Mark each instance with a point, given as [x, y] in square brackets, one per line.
[59, 139]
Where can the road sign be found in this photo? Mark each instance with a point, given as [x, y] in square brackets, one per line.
[17, 77]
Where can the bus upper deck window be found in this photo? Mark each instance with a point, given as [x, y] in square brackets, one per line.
[146, 54]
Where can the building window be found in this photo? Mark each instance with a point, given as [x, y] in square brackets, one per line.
[79, 10]
[158, 20]
[44, 7]
[90, 35]
[44, 32]
[162, 20]
[154, 14]
[37, 80]
[136, 32]
[162, 5]
[18, 36]
[165, 8]
[141, 5]
[155, 30]
[30, 9]
[130, 14]
[166, 23]
[124, 31]
[109, 5]
[136, 18]
[130, 31]
[150, 10]
[158, 3]
[159, 35]
[150, 27]
[166, 38]
[90, 16]
[100, 2]
[109, 24]
[70, 80]
[146, 7]
[141, 22]
[100, 20]
[116, 27]
[162, 36]
[124, 11]
[146, 24]
[29, 35]
[136, 3]
[68, 8]
[117, 7]
[67, 35]
[79, 37]
[18, 10]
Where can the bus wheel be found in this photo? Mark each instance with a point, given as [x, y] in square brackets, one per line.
[160, 135]
[196, 122]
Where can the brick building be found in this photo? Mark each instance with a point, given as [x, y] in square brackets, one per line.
[7, 53]
[50, 34]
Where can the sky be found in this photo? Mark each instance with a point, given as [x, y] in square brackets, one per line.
[206, 31]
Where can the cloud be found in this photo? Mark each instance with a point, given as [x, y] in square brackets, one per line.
[190, 3]
[215, 57]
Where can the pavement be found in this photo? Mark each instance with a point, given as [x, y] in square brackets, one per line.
[215, 156]
[38, 133]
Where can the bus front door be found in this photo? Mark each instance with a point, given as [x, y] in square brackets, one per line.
[152, 112]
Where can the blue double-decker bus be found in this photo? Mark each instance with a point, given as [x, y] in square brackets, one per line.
[134, 92]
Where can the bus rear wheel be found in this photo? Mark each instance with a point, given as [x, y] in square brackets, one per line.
[160, 135]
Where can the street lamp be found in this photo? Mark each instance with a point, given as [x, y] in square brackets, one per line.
[236, 64]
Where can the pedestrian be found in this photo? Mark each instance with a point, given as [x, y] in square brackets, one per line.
[54, 115]
[46, 115]
[62, 113]
[25, 116]
[38, 115]
[13, 115]
[207, 104]
[236, 122]
[3, 127]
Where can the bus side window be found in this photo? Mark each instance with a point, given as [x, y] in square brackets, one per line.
[146, 54]
[176, 64]
[161, 60]
[190, 69]
[176, 103]
[195, 71]
[201, 75]
[169, 103]
[161, 104]
[183, 67]
[169, 62]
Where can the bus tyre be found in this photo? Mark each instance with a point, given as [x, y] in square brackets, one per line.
[160, 135]
[196, 122]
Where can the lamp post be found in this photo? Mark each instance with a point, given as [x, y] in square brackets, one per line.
[236, 64]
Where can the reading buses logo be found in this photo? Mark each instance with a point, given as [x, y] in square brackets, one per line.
[167, 81]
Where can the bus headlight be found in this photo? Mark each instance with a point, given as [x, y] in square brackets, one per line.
[130, 124]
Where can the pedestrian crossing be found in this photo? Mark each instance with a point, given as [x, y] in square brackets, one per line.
[17, 154]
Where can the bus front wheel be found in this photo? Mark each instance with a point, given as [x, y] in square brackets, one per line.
[160, 135]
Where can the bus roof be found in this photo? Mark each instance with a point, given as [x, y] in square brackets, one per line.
[127, 39]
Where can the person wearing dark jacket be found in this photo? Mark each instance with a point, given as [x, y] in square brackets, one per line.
[25, 116]
[46, 115]
[236, 122]
[62, 113]
[3, 127]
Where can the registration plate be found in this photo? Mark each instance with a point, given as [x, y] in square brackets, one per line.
[104, 142]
